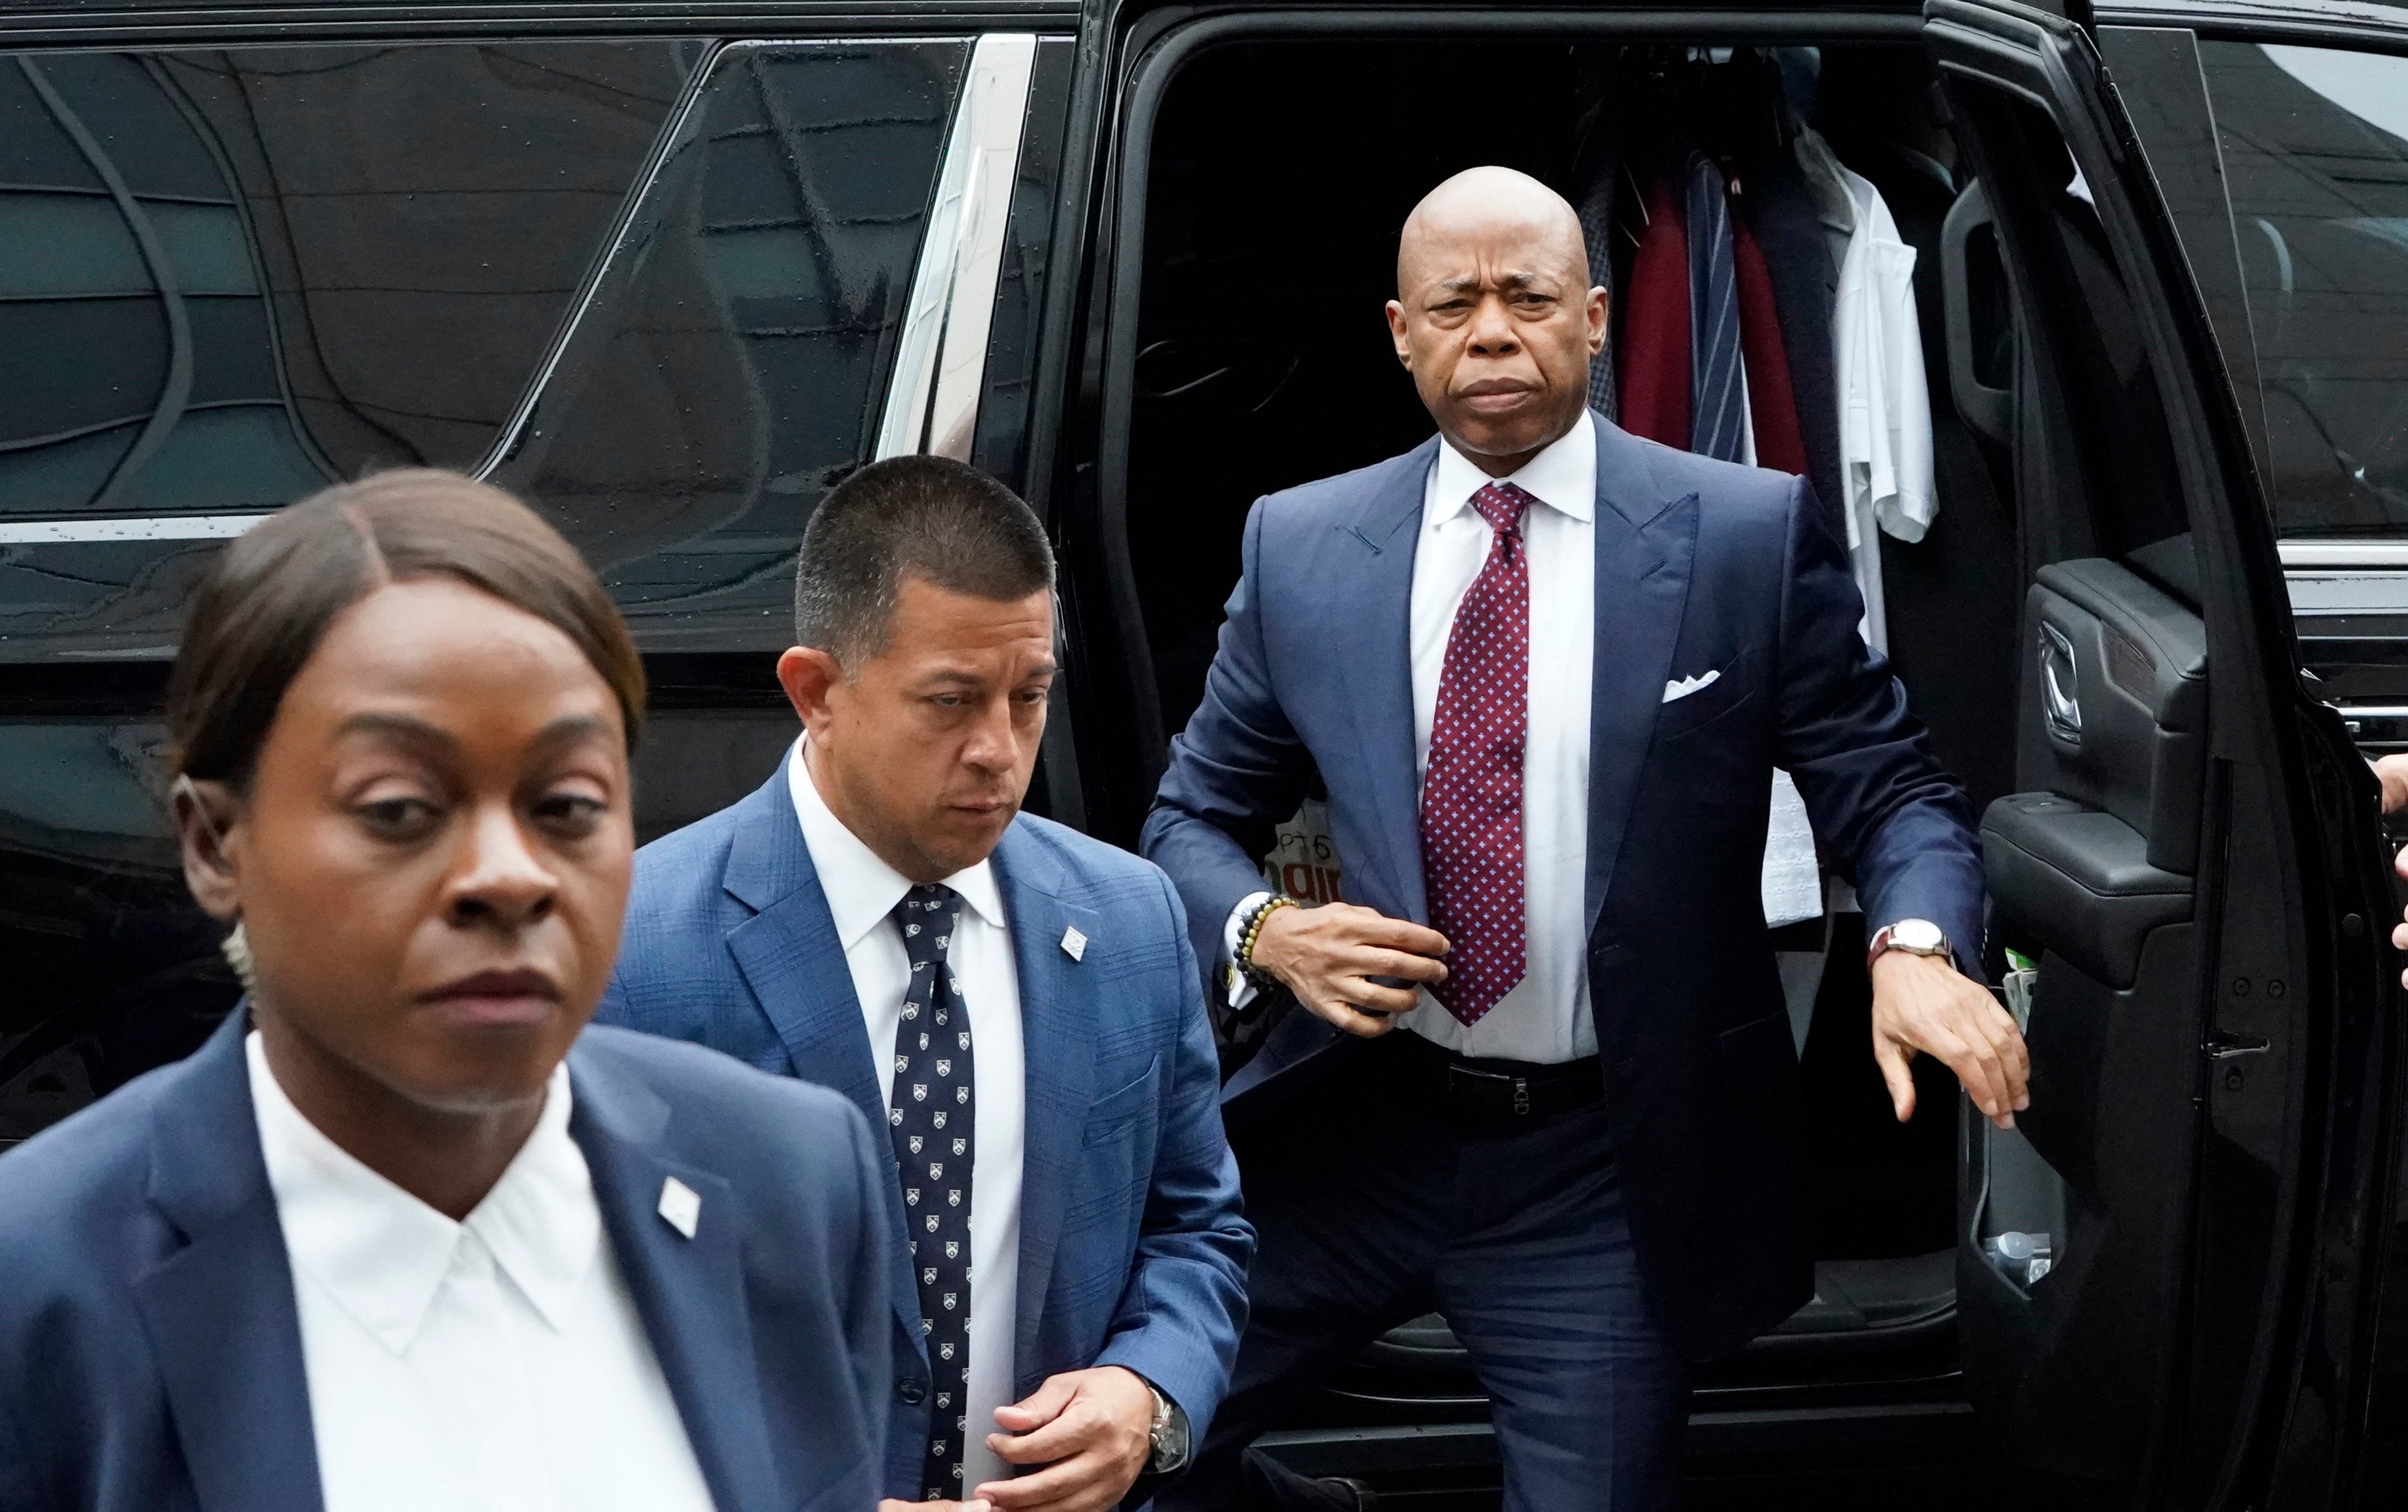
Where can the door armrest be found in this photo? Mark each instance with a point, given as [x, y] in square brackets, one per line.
[2078, 880]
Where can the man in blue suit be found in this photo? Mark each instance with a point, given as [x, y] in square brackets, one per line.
[1015, 1003]
[1546, 671]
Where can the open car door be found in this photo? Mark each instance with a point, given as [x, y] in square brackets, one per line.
[2163, 1270]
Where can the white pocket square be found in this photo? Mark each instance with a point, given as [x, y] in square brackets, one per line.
[1683, 687]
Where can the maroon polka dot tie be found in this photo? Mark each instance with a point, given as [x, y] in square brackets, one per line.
[1471, 794]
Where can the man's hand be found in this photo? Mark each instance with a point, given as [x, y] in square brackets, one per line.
[890, 1504]
[1922, 1005]
[1091, 1430]
[2400, 865]
[2392, 772]
[1326, 957]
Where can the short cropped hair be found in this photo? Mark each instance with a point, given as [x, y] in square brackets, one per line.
[269, 597]
[929, 517]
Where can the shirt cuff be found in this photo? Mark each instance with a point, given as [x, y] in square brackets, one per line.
[1241, 986]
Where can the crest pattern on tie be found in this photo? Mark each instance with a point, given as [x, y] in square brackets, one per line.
[1471, 793]
[933, 1114]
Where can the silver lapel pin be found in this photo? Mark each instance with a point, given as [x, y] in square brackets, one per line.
[1074, 944]
[680, 1204]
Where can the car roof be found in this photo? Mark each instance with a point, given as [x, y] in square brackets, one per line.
[751, 13]
[316, 19]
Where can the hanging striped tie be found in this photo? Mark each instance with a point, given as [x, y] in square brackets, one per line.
[1718, 409]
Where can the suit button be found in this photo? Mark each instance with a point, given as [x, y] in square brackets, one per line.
[912, 1392]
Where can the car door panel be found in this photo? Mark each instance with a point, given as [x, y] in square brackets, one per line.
[2138, 661]
[2086, 874]
[2129, 1263]
[2074, 1229]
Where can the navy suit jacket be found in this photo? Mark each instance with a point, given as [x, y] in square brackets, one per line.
[1132, 1251]
[154, 1348]
[1701, 567]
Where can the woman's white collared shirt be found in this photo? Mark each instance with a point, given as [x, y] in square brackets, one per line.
[494, 1363]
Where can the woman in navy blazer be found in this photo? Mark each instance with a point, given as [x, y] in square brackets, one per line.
[405, 1230]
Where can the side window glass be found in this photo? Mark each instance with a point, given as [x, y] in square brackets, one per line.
[2316, 155]
[2095, 466]
[228, 277]
[731, 364]
[141, 368]
[232, 275]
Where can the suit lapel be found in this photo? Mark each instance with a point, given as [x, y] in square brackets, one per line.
[789, 952]
[689, 1292]
[219, 1312]
[1372, 639]
[792, 961]
[1645, 544]
[1058, 1024]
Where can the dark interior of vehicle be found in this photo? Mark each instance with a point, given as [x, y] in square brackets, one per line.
[1280, 174]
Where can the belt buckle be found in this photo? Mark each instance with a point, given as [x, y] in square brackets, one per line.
[1473, 1081]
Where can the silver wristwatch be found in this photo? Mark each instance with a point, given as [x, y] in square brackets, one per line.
[1915, 937]
[1170, 1435]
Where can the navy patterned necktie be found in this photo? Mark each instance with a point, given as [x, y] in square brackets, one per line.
[933, 1116]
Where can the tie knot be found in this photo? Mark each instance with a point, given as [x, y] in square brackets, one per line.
[1502, 505]
[927, 916]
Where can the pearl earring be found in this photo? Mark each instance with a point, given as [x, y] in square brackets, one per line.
[236, 948]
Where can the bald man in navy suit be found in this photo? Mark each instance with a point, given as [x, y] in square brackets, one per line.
[1546, 671]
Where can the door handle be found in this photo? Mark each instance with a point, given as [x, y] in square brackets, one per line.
[1989, 411]
[2060, 686]
[2221, 1046]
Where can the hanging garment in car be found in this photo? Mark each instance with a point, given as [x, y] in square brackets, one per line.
[1595, 176]
[1772, 404]
[1885, 406]
[1653, 384]
[1718, 421]
[1780, 215]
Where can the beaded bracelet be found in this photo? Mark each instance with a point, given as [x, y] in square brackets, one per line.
[1254, 932]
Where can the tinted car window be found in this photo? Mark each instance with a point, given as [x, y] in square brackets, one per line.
[727, 361]
[230, 276]
[140, 368]
[2315, 153]
[732, 363]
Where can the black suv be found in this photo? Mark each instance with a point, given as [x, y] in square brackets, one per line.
[671, 267]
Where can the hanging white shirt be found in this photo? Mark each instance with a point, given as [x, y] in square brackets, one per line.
[495, 1364]
[862, 891]
[1885, 404]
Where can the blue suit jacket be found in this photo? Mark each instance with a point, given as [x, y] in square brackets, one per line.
[1701, 565]
[154, 1348]
[1132, 1251]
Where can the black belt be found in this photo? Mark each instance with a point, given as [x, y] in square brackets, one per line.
[1499, 1091]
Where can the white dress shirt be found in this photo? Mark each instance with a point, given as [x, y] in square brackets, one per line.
[862, 891]
[1546, 1017]
[1877, 353]
[495, 1364]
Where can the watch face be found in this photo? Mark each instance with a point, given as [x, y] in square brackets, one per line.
[1169, 1442]
[1919, 934]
